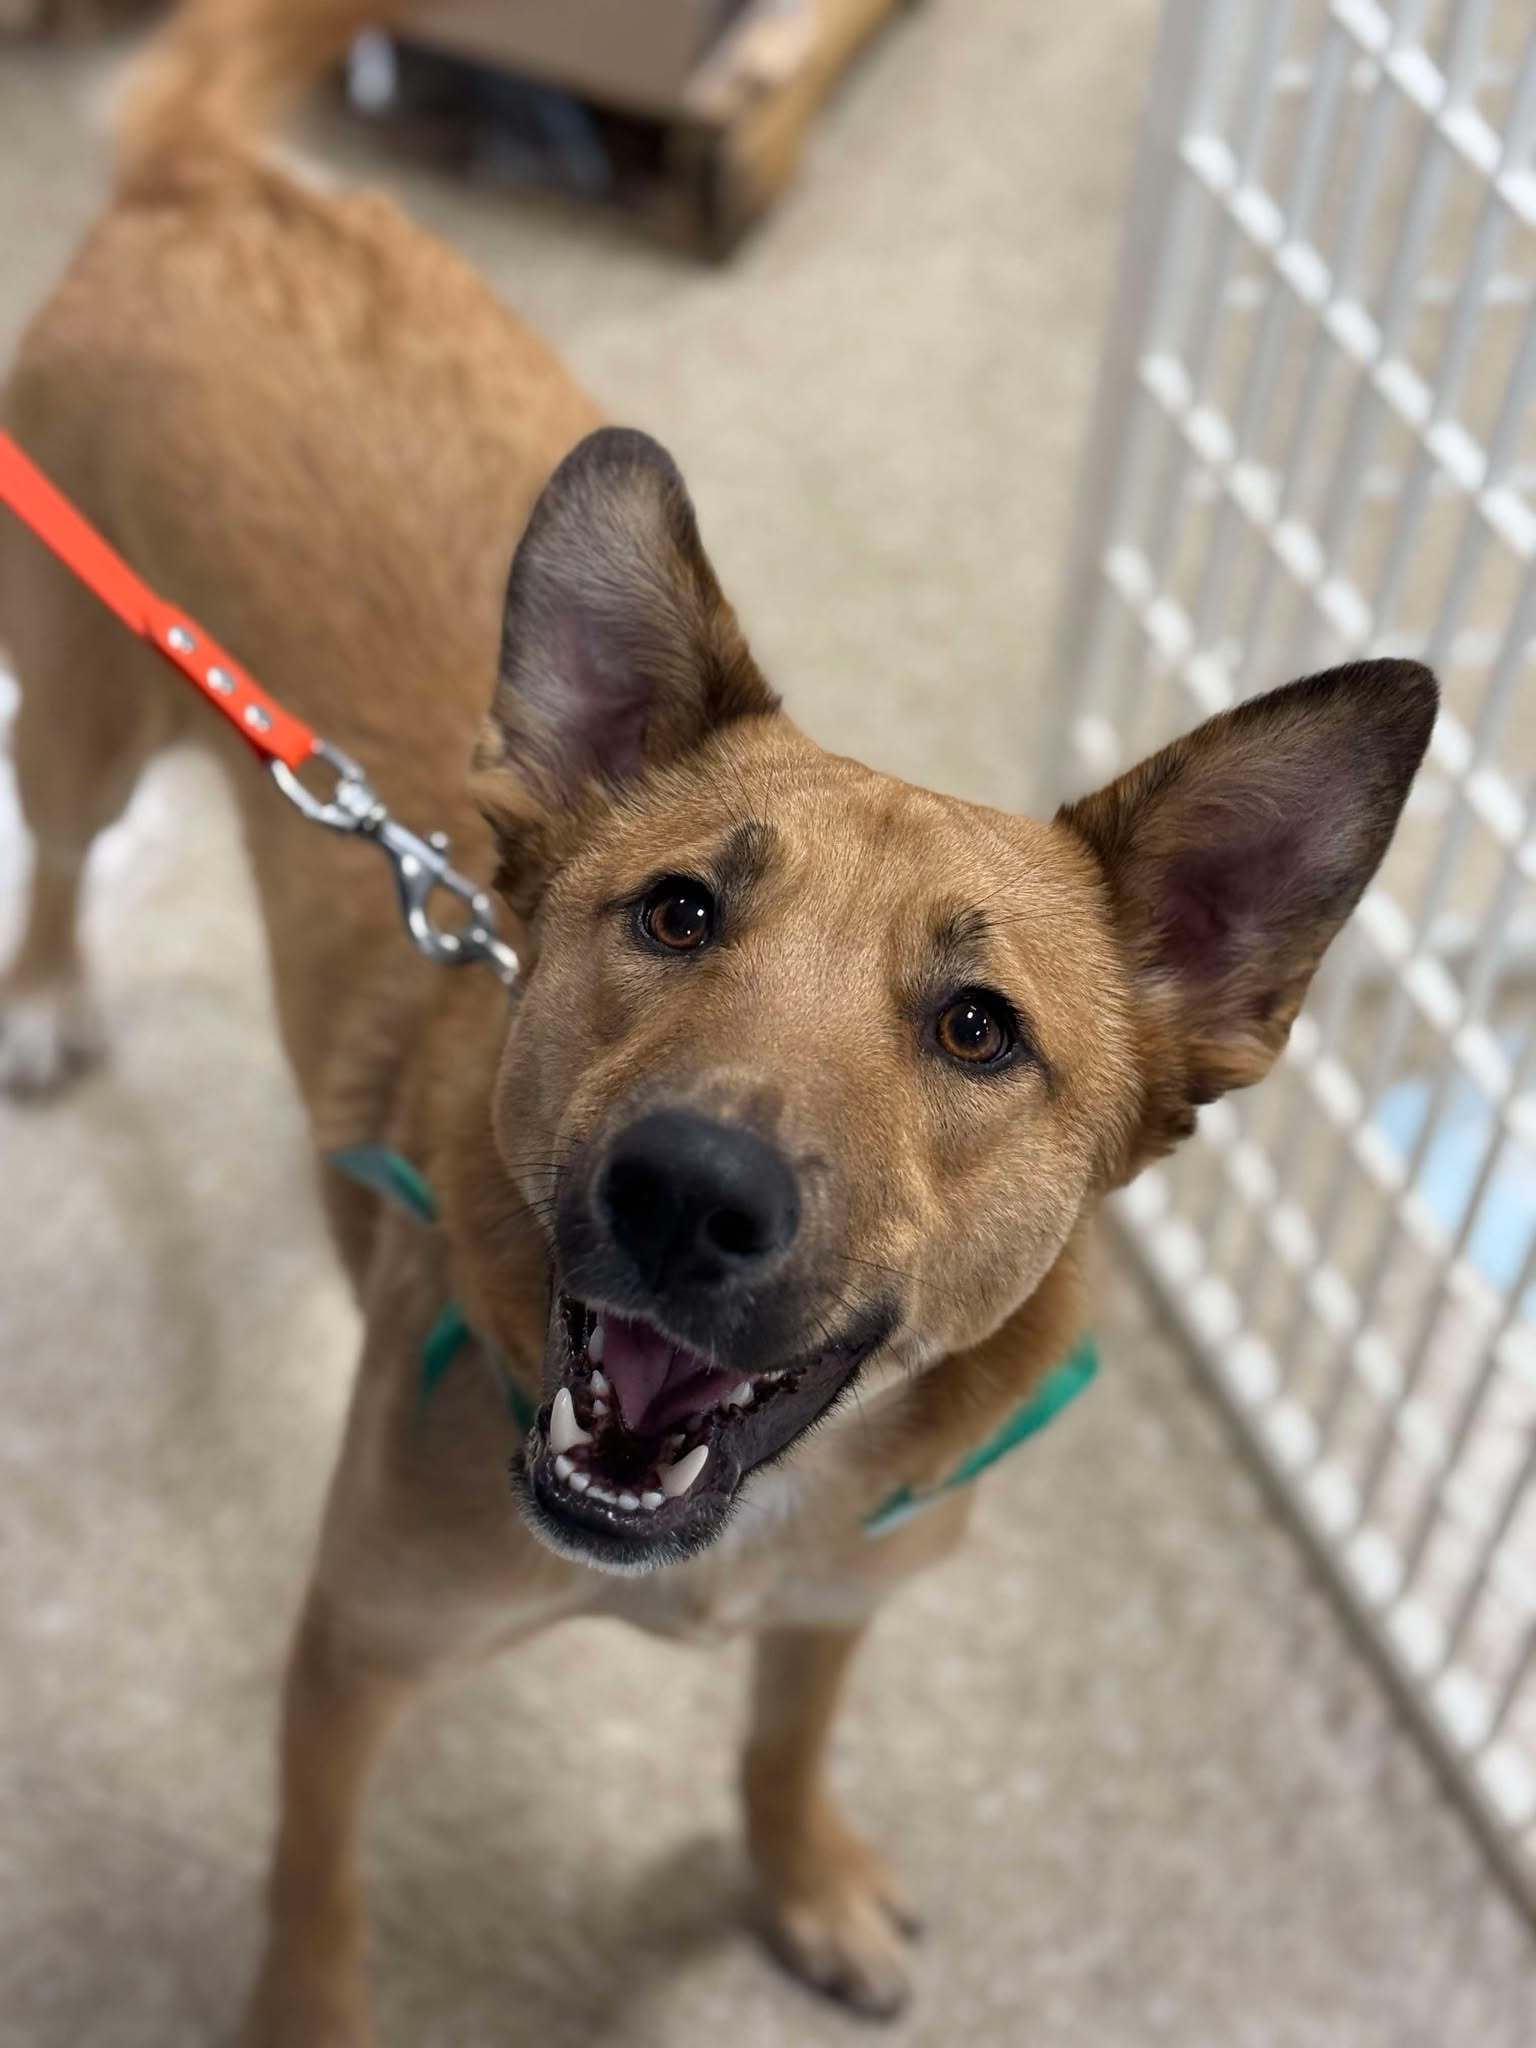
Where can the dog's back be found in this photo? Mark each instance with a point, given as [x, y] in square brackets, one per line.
[231, 341]
[233, 360]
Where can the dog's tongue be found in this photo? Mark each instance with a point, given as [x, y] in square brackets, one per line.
[656, 1381]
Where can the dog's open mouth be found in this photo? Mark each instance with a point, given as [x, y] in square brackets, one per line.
[639, 1455]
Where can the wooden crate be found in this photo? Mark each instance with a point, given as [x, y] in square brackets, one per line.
[698, 173]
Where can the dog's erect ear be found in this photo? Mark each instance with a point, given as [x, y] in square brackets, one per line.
[618, 650]
[1232, 858]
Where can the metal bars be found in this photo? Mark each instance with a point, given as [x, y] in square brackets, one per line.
[1315, 436]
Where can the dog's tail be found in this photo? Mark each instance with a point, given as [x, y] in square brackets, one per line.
[222, 73]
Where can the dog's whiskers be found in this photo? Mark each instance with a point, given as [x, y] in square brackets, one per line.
[917, 1280]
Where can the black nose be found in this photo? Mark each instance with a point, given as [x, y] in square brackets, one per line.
[694, 1204]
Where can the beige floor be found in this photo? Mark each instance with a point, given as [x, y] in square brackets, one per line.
[1146, 1789]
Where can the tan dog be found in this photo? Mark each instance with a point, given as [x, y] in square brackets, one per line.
[812, 1079]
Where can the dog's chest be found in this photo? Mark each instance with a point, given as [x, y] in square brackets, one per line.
[761, 1573]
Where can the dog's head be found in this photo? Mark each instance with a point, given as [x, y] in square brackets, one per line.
[812, 1074]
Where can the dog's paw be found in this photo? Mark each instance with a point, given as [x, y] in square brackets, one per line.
[290, 2020]
[306, 2031]
[847, 1928]
[48, 1038]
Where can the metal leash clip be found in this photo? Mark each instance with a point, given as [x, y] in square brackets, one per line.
[421, 866]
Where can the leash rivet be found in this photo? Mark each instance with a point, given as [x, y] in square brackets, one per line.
[183, 641]
[221, 680]
[257, 719]
[438, 841]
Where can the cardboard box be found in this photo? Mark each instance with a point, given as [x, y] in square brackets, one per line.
[628, 53]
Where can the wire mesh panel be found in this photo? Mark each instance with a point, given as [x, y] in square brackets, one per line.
[1316, 438]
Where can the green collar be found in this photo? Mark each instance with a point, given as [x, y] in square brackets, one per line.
[1056, 1391]
[389, 1174]
[392, 1175]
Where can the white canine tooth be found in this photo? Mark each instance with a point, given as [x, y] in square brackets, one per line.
[676, 1479]
[600, 1409]
[739, 1395]
[565, 1432]
[599, 1381]
[580, 1481]
[651, 1500]
[629, 1502]
[597, 1343]
[564, 1466]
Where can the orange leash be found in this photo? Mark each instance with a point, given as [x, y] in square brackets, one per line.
[275, 733]
[285, 743]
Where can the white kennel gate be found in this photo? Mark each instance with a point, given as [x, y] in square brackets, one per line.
[1315, 437]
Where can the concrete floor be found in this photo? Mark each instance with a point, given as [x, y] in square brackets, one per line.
[1122, 1748]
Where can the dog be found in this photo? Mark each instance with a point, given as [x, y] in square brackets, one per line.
[811, 1082]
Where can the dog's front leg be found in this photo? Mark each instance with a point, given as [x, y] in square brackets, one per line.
[338, 1707]
[423, 1563]
[836, 1913]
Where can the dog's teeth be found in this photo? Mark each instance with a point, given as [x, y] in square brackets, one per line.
[599, 1381]
[564, 1466]
[651, 1500]
[580, 1481]
[676, 1479]
[565, 1432]
[629, 1502]
[739, 1395]
[596, 1345]
[600, 1409]
[602, 1493]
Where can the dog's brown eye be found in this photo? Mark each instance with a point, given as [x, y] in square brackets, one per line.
[678, 914]
[975, 1027]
